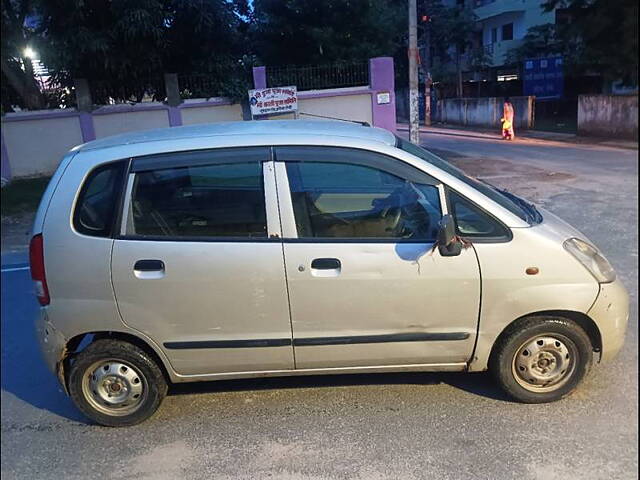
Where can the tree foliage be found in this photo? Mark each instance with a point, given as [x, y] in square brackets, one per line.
[307, 32]
[133, 42]
[18, 82]
[598, 36]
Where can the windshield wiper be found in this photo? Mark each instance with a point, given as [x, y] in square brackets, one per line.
[530, 209]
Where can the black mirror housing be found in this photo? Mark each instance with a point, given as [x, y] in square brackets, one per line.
[448, 243]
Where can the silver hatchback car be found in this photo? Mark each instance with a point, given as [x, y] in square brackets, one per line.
[296, 247]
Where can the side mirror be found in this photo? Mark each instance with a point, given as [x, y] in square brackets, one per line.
[448, 243]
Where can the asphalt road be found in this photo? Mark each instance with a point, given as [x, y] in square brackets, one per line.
[403, 426]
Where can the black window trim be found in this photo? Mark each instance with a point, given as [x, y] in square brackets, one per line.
[369, 158]
[117, 206]
[192, 158]
[117, 218]
[200, 158]
[477, 238]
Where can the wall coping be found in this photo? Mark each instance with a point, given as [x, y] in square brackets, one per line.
[154, 106]
[129, 108]
[112, 109]
[480, 98]
[205, 102]
[633, 94]
[334, 92]
[39, 114]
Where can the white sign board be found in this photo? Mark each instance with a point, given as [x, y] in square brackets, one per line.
[383, 98]
[265, 101]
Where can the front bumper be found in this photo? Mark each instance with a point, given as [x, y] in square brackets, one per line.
[53, 346]
[610, 312]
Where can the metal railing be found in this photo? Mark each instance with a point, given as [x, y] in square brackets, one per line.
[319, 76]
[227, 79]
[130, 91]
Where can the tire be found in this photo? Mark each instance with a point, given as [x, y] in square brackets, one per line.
[116, 384]
[541, 359]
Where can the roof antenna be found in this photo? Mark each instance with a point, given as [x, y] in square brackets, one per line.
[364, 124]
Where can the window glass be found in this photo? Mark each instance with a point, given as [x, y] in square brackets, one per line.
[507, 31]
[201, 201]
[502, 199]
[337, 200]
[97, 202]
[471, 221]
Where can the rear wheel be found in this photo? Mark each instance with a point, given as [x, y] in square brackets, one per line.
[541, 359]
[116, 383]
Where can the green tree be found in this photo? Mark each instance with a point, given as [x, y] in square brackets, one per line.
[598, 35]
[126, 45]
[18, 32]
[452, 35]
[308, 32]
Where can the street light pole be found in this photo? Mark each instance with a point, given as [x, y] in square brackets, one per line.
[414, 115]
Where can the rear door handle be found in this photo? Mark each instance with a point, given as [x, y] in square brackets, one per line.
[326, 264]
[149, 265]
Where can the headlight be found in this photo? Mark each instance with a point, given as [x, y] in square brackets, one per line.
[592, 260]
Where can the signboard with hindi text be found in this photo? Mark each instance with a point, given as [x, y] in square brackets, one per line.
[267, 101]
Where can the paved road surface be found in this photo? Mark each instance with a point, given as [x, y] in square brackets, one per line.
[365, 426]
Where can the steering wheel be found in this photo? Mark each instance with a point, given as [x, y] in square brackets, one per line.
[394, 214]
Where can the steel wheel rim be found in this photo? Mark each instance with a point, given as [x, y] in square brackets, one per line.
[114, 387]
[545, 363]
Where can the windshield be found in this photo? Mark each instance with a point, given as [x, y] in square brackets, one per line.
[516, 205]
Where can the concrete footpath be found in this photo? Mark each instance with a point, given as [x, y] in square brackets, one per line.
[522, 135]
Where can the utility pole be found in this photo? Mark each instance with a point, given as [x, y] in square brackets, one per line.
[427, 74]
[414, 115]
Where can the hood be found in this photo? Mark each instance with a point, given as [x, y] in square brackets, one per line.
[560, 229]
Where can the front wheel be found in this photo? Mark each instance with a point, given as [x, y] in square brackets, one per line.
[115, 383]
[541, 359]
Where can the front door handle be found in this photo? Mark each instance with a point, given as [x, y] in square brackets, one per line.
[148, 269]
[149, 265]
[326, 264]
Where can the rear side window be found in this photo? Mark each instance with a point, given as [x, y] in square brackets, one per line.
[221, 200]
[99, 197]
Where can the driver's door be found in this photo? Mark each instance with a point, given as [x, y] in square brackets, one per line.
[365, 287]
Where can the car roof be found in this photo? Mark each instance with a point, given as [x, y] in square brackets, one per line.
[274, 128]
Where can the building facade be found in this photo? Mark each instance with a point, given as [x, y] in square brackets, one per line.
[504, 24]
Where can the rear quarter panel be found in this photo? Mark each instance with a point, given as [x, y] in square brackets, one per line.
[78, 267]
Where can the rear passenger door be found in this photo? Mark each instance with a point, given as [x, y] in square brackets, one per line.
[198, 264]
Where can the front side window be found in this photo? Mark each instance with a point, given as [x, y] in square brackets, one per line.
[514, 204]
[473, 222]
[347, 201]
[96, 207]
[222, 200]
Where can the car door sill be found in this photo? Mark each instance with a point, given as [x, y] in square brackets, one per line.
[423, 367]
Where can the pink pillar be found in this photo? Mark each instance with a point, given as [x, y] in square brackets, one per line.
[259, 77]
[381, 81]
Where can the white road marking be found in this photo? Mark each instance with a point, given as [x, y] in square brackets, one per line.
[15, 269]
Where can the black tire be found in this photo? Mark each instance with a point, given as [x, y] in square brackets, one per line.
[507, 362]
[153, 383]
